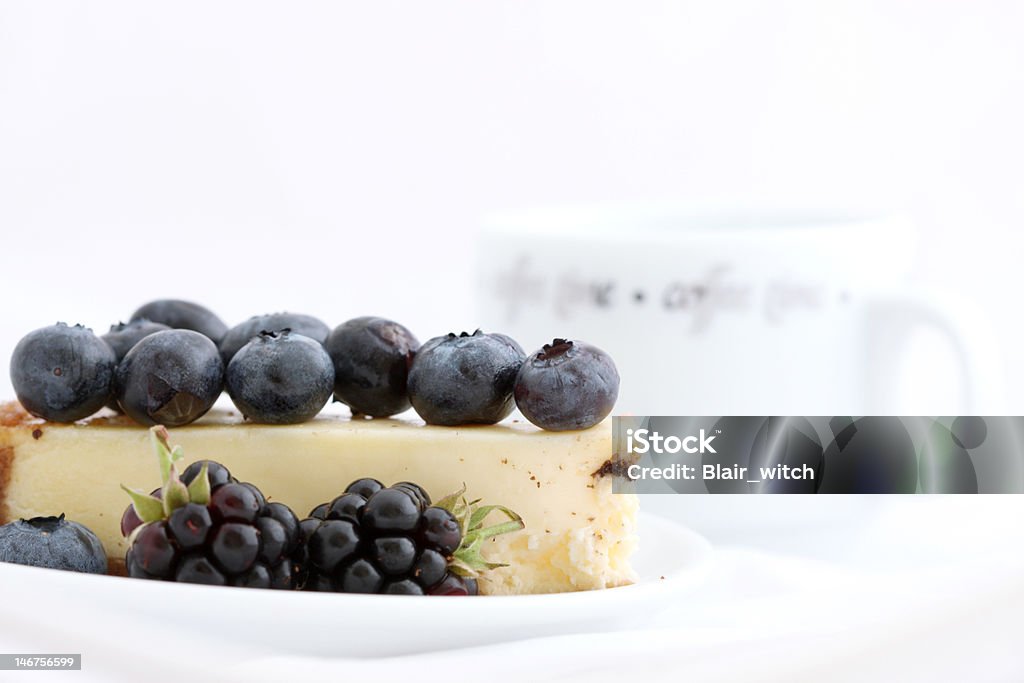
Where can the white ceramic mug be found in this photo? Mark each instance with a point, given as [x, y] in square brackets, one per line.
[723, 311]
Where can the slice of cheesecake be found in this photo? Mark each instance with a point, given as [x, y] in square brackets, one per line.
[578, 536]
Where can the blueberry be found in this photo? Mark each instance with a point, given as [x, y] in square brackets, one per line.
[280, 378]
[54, 543]
[371, 365]
[242, 333]
[464, 379]
[183, 315]
[62, 373]
[123, 336]
[170, 378]
[567, 385]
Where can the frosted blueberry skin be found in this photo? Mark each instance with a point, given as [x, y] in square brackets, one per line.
[464, 379]
[371, 359]
[62, 373]
[183, 315]
[170, 378]
[567, 385]
[53, 543]
[280, 378]
[298, 323]
[123, 336]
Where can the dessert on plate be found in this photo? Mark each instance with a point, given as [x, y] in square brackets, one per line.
[540, 483]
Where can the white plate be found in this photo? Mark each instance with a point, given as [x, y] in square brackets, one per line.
[671, 561]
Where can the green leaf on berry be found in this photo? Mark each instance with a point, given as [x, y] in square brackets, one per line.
[199, 489]
[148, 508]
[468, 560]
[173, 492]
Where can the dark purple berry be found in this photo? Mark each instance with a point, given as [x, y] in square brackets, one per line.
[416, 491]
[360, 577]
[394, 555]
[281, 575]
[274, 540]
[235, 546]
[332, 543]
[465, 379]
[364, 487]
[452, 584]
[234, 503]
[390, 511]
[153, 550]
[198, 569]
[258, 576]
[190, 525]
[215, 472]
[371, 359]
[320, 511]
[261, 500]
[440, 530]
[567, 385]
[403, 587]
[430, 568]
[346, 506]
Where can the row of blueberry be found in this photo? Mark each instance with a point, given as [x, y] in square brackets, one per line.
[169, 364]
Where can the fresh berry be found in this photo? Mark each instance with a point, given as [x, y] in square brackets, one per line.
[453, 584]
[183, 315]
[54, 543]
[170, 378]
[280, 378]
[417, 492]
[207, 527]
[371, 365]
[439, 529]
[464, 379]
[62, 373]
[375, 539]
[567, 385]
[123, 336]
[364, 487]
[390, 511]
[298, 323]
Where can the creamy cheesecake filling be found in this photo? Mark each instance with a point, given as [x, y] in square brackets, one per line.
[578, 536]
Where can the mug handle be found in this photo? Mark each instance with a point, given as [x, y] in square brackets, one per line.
[892, 316]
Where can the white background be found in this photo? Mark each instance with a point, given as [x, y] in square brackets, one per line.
[336, 158]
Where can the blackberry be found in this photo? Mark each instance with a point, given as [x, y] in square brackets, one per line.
[377, 539]
[205, 526]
